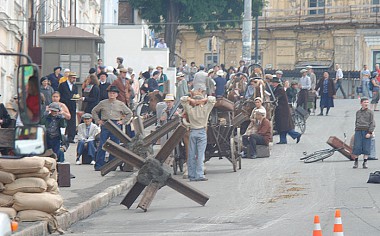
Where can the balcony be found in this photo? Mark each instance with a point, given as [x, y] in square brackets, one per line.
[330, 15]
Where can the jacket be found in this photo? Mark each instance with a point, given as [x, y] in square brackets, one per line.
[330, 87]
[92, 99]
[67, 95]
[94, 130]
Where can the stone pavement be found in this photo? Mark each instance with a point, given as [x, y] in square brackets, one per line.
[89, 192]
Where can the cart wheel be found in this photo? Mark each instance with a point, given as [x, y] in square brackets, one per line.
[233, 153]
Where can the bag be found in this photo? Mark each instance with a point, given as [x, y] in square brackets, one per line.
[374, 178]
[45, 202]
[302, 112]
[370, 85]
[359, 90]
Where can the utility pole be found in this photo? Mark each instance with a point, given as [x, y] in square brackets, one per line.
[257, 39]
[247, 31]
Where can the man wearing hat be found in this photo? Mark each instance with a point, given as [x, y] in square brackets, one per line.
[54, 77]
[313, 80]
[46, 90]
[182, 88]
[242, 68]
[261, 136]
[110, 109]
[123, 84]
[66, 73]
[279, 75]
[86, 138]
[282, 118]
[53, 122]
[291, 92]
[111, 77]
[185, 69]
[305, 86]
[220, 84]
[162, 78]
[103, 86]
[67, 90]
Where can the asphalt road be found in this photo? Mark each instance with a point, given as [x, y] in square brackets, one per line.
[273, 196]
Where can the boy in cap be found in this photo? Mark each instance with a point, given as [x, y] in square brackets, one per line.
[53, 122]
[364, 127]
[86, 138]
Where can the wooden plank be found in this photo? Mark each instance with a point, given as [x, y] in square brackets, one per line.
[148, 196]
[117, 132]
[7, 136]
[188, 191]
[132, 195]
[171, 143]
[110, 166]
[123, 154]
[138, 125]
[166, 128]
[150, 121]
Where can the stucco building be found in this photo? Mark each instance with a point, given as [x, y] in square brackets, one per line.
[294, 33]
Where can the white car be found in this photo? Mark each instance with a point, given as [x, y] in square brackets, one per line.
[5, 225]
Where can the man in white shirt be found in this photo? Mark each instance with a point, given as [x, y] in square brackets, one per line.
[161, 44]
[338, 80]
[305, 86]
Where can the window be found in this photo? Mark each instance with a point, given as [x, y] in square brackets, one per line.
[316, 4]
[376, 8]
[211, 60]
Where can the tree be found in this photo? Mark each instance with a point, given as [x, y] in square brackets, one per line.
[200, 15]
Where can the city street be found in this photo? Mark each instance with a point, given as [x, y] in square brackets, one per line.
[278, 195]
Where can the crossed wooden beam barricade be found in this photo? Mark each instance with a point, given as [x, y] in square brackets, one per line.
[153, 173]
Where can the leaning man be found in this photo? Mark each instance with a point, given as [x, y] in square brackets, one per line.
[197, 109]
[117, 112]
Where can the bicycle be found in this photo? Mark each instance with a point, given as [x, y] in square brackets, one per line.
[324, 153]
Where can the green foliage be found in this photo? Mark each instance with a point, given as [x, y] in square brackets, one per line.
[201, 15]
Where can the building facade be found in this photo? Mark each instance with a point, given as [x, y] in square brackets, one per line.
[295, 33]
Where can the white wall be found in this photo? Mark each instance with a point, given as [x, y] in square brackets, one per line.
[128, 42]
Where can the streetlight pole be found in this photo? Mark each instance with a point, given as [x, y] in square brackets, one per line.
[247, 31]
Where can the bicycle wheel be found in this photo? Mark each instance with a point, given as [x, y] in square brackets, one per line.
[316, 153]
[299, 123]
[319, 157]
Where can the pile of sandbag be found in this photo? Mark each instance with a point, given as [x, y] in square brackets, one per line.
[29, 189]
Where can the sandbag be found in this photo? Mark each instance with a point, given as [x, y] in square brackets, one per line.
[50, 163]
[45, 202]
[6, 200]
[22, 165]
[34, 215]
[9, 210]
[6, 177]
[26, 185]
[52, 185]
[43, 173]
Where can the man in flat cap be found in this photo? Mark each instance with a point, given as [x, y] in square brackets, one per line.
[123, 84]
[110, 109]
[313, 80]
[67, 90]
[305, 86]
[86, 138]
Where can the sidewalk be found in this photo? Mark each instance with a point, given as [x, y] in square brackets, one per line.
[89, 192]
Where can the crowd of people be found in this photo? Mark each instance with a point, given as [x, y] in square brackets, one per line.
[109, 93]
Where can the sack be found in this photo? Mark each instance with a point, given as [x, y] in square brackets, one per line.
[26, 185]
[9, 211]
[22, 165]
[374, 178]
[34, 215]
[302, 112]
[359, 90]
[6, 200]
[50, 163]
[6, 178]
[370, 85]
[45, 202]
[52, 185]
[43, 173]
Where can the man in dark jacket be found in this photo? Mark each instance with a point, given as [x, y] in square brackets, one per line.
[283, 119]
[103, 86]
[54, 78]
[67, 90]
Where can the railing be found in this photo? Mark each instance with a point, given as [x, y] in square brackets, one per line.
[354, 14]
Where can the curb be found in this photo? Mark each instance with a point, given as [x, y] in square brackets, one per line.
[82, 210]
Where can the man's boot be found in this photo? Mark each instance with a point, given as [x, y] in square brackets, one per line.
[356, 163]
[365, 164]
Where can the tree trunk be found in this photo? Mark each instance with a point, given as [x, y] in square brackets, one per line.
[171, 29]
